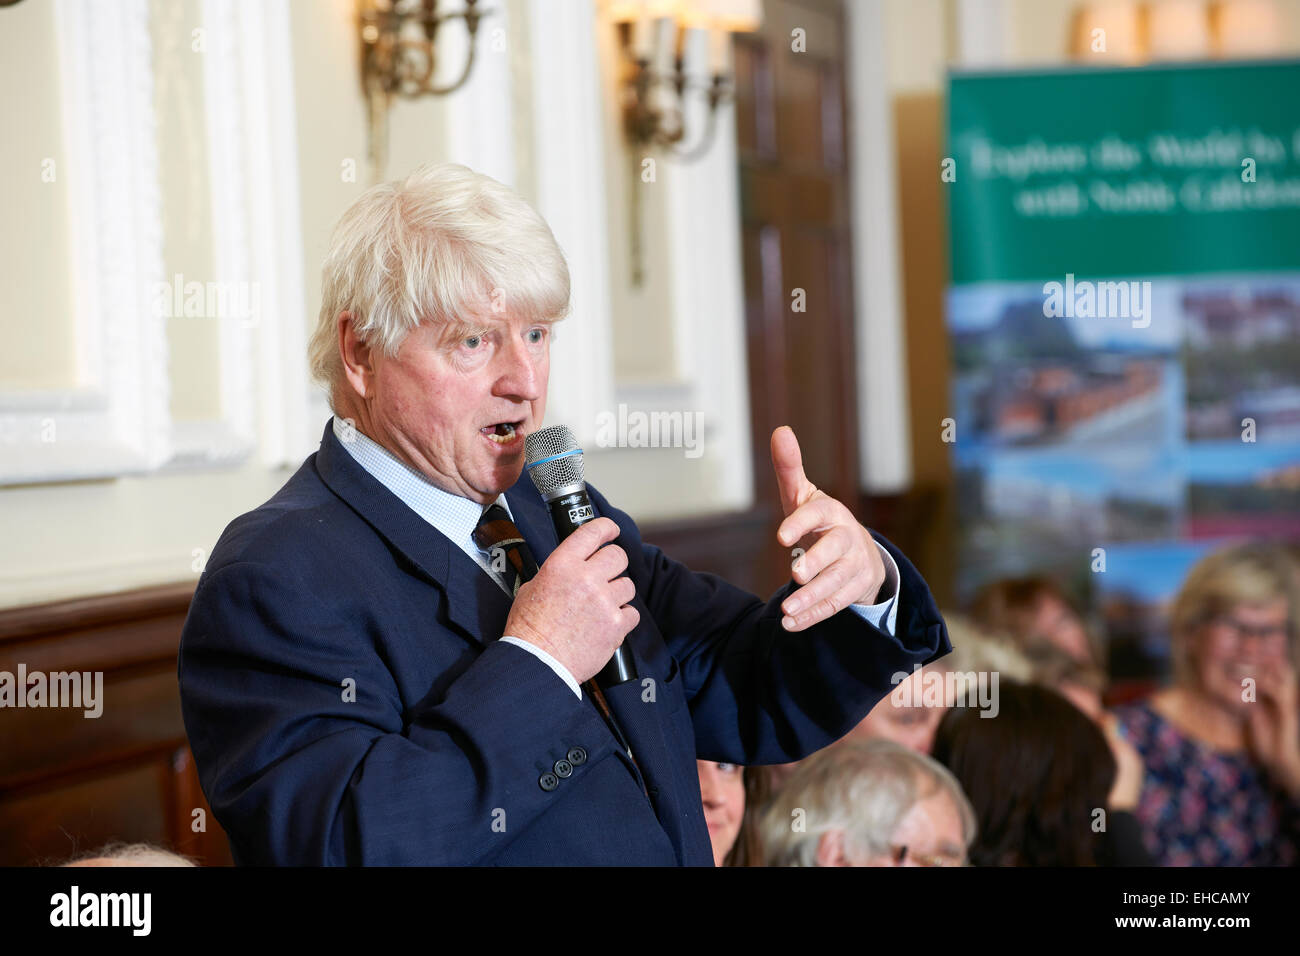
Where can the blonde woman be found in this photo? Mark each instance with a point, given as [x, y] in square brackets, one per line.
[1221, 746]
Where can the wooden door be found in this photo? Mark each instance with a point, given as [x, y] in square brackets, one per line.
[794, 180]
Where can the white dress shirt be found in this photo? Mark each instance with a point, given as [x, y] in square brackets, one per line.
[457, 517]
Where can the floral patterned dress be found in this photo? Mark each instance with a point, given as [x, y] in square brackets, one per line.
[1207, 807]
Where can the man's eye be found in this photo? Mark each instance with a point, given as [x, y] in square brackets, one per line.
[473, 341]
[535, 336]
[728, 767]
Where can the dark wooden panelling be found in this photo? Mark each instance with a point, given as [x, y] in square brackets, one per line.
[54, 823]
[738, 546]
[69, 783]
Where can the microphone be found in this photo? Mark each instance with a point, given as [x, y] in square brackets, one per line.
[554, 463]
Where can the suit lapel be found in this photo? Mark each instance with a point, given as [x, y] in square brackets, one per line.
[474, 601]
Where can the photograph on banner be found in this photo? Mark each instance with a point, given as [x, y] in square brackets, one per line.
[1048, 509]
[1025, 374]
[1242, 356]
[1242, 490]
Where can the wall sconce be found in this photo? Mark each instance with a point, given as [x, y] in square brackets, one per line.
[399, 58]
[653, 33]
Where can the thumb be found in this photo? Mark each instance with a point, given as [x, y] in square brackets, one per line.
[791, 483]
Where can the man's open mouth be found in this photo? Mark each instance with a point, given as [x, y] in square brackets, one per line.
[502, 432]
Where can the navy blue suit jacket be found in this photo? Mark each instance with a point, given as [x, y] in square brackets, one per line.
[348, 702]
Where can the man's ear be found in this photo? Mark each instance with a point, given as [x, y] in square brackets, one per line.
[355, 355]
[830, 849]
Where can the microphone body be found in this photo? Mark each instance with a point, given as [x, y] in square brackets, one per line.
[555, 465]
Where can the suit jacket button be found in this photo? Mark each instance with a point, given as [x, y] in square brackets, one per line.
[576, 756]
[548, 782]
[563, 768]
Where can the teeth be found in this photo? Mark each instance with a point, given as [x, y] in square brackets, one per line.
[505, 433]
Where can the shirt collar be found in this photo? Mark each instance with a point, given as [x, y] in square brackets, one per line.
[453, 515]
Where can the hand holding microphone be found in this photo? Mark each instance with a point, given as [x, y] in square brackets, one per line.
[577, 608]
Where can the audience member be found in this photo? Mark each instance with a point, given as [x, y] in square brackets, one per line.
[1082, 684]
[911, 713]
[1221, 746]
[1038, 774]
[1033, 610]
[733, 796]
[130, 854]
[872, 803]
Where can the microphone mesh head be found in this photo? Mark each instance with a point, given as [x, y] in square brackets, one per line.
[565, 465]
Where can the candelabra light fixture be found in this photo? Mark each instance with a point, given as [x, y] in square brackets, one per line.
[657, 80]
[398, 48]
[654, 32]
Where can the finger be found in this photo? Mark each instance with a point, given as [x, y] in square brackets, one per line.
[826, 595]
[1267, 683]
[590, 537]
[624, 591]
[792, 484]
[828, 549]
[811, 516]
[611, 561]
[629, 617]
[826, 583]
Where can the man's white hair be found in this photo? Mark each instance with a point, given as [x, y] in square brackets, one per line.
[445, 245]
[131, 854]
[861, 789]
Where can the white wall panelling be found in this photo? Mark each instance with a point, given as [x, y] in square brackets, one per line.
[115, 420]
[570, 168]
[885, 456]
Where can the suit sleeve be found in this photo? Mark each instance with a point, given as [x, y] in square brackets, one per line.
[308, 758]
[759, 694]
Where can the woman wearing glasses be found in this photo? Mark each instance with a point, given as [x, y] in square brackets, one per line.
[1221, 745]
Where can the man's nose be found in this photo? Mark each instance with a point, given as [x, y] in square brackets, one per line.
[518, 374]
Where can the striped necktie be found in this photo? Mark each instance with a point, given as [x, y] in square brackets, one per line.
[510, 556]
[508, 552]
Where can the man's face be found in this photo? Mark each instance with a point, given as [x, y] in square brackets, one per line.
[437, 401]
[931, 832]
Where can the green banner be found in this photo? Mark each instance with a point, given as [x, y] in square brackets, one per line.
[1119, 172]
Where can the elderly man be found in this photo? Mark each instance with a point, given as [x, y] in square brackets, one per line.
[869, 803]
[364, 682]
